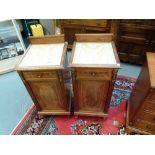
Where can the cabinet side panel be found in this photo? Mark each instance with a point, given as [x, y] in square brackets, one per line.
[139, 92]
[29, 89]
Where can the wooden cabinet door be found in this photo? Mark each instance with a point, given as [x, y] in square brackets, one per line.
[91, 95]
[134, 38]
[132, 49]
[49, 95]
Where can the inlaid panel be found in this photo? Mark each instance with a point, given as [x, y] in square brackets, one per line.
[91, 95]
[48, 95]
[94, 74]
[31, 75]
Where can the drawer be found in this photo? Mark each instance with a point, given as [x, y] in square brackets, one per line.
[145, 126]
[94, 74]
[28, 75]
[72, 21]
[149, 117]
[96, 23]
[87, 22]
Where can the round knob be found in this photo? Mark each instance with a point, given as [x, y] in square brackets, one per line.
[130, 123]
[39, 76]
[93, 74]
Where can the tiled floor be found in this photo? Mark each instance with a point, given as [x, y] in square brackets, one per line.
[15, 100]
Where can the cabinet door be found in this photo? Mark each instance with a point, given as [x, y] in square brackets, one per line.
[49, 95]
[91, 95]
[132, 49]
[133, 40]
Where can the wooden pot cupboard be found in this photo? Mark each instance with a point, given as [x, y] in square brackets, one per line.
[94, 63]
[41, 72]
[141, 104]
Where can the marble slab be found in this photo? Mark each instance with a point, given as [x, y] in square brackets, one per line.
[94, 53]
[42, 55]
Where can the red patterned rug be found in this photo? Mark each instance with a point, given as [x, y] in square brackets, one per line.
[33, 124]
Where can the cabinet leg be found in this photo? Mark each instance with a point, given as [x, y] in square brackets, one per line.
[129, 131]
[103, 118]
[69, 116]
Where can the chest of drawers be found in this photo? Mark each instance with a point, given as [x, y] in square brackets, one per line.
[134, 38]
[41, 71]
[94, 63]
[141, 104]
[70, 27]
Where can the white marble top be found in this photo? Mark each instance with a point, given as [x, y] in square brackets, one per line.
[94, 53]
[42, 55]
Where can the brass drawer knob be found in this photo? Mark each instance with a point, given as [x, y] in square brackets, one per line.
[93, 74]
[39, 76]
[130, 123]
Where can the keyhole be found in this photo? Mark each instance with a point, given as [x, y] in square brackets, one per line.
[93, 74]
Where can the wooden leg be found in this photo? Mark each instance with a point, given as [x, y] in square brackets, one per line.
[129, 131]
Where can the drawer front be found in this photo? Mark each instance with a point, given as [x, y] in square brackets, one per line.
[145, 126]
[149, 117]
[87, 22]
[96, 23]
[72, 21]
[28, 75]
[94, 75]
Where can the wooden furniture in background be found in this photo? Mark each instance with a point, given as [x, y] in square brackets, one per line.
[41, 71]
[134, 37]
[141, 104]
[70, 27]
[94, 63]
